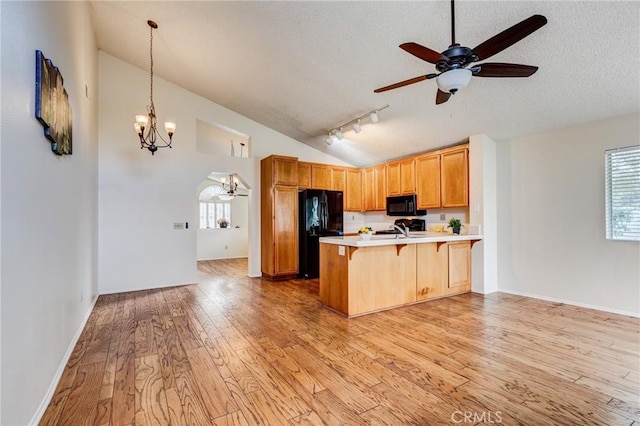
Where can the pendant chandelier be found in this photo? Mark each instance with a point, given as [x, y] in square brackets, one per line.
[152, 140]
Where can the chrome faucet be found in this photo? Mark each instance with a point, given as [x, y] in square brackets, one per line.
[404, 231]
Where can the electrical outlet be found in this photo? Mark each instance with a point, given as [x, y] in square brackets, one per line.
[178, 225]
[443, 216]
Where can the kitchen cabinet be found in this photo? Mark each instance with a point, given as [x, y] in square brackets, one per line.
[368, 198]
[284, 170]
[392, 171]
[443, 269]
[379, 188]
[454, 177]
[304, 175]
[401, 177]
[279, 217]
[353, 193]
[459, 267]
[374, 193]
[408, 176]
[338, 178]
[428, 181]
[320, 176]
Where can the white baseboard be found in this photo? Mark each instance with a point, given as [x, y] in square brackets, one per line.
[54, 383]
[571, 302]
[223, 258]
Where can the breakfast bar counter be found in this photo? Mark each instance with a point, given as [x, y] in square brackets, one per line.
[363, 276]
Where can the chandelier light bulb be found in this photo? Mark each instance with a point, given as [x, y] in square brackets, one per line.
[170, 127]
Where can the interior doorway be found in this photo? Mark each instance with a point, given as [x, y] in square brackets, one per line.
[223, 212]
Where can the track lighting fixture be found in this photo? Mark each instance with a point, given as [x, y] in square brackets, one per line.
[337, 133]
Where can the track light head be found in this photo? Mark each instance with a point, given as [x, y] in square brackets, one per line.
[339, 134]
[373, 116]
[328, 140]
[356, 126]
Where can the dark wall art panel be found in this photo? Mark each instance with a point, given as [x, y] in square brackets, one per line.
[53, 110]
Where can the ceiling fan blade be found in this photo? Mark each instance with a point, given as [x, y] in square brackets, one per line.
[424, 53]
[442, 97]
[405, 83]
[509, 36]
[504, 70]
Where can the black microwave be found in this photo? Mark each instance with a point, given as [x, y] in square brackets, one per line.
[404, 205]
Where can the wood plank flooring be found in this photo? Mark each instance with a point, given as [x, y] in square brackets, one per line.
[234, 350]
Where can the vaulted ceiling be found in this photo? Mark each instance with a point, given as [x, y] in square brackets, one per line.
[303, 68]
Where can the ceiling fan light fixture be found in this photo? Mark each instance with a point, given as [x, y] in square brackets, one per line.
[453, 80]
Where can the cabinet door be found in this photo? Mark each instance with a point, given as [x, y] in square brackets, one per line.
[338, 178]
[320, 176]
[380, 187]
[459, 265]
[408, 176]
[428, 181]
[393, 178]
[304, 175]
[454, 178]
[285, 171]
[368, 186]
[353, 194]
[285, 221]
[432, 271]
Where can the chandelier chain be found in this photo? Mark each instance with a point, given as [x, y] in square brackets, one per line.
[151, 60]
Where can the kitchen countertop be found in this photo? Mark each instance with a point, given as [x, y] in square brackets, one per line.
[387, 240]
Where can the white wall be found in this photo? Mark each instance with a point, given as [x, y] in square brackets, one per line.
[551, 235]
[141, 196]
[483, 212]
[49, 203]
[227, 243]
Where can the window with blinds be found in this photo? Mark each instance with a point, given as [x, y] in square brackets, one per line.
[622, 170]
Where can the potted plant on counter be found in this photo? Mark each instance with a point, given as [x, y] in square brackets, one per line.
[365, 232]
[223, 222]
[455, 225]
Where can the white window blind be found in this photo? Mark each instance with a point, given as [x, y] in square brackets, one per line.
[622, 170]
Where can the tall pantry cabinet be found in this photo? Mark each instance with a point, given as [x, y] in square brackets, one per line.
[279, 216]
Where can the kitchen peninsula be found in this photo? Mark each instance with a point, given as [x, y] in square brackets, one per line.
[363, 276]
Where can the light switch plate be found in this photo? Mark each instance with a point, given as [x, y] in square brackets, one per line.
[341, 251]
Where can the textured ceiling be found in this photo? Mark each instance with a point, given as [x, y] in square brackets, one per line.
[303, 68]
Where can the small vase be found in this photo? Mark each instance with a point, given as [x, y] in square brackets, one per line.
[456, 231]
[365, 236]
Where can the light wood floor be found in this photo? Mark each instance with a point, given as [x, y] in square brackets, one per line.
[236, 350]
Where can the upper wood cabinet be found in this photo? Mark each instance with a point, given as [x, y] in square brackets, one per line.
[408, 176]
[374, 195]
[454, 177]
[304, 175]
[428, 181]
[353, 193]
[338, 178]
[320, 176]
[392, 171]
[285, 170]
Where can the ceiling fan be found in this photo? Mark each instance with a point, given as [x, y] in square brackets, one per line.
[453, 64]
[231, 188]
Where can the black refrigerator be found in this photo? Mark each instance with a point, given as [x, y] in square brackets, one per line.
[320, 215]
